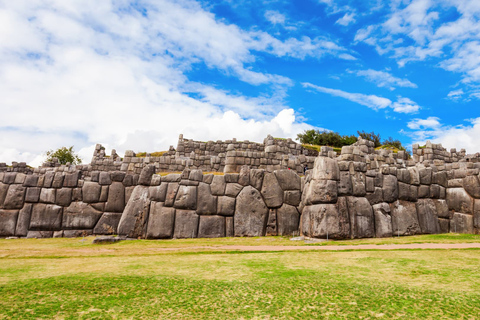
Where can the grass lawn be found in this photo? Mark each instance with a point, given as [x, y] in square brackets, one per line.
[72, 279]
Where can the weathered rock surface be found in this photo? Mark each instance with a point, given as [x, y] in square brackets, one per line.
[108, 223]
[288, 220]
[404, 218]
[80, 215]
[458, 200]
[47, 217]
[211, 227]
[134, 219]
[186, 224]
[271, 191]
[161, 221]
[250, 213]
[116, 197]
[427, 216]
[8, 222]
[383, 220]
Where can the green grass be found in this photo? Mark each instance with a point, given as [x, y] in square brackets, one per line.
[73, 279]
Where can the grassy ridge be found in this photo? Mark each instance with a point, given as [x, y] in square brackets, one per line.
[68, 278]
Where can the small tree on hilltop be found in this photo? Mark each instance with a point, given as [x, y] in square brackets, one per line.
[63, 155]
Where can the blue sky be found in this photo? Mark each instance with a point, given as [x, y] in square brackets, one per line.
[136, 74]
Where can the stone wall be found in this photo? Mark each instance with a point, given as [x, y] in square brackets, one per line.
[360, 193]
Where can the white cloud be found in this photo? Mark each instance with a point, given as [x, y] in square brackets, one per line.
[455, 94]
[77, 74]
[460, 136]
[385, 79]
[347, 19]
[275, 17]
[402, 105]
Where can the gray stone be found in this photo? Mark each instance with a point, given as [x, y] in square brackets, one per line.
[458, 200]
[225, 206]
[186, 198]
[80, 215]
[133, 222]
[414, 176]
[271, 191]
[271, 229]
[23, 221]
[321, 219]
[441, 208]
[91, 192]
[104, 179]
[404, 218]
[292, 197]
[440, 178]
[158, 193]
[77, 233]
[31, 181]
[233, 189]
[218, 186]
[58, 180]
[376, 196]
[146, 175]
[390, 188]
[71, 179]
[47, 195]
[108, 223]
[325, 168]
[208, 178]
[358, 184]
[104, 194]
[383, 220]
[160, 221]
[250, 213]
[369, 184]
[461, 223]
[476, 214]
[186, 224]
[9, 177]
[288, 220]
[423, 191]
[47, 182]
[407, 192]
[118, 176]
[46, 217]
[229, 227]
[156, 180]
[8, 222]
[444, 225]
[345, 187]
[425, 175]
[471, 184]
[244, 176]
[231, 177]
[32, 194]
[435, 191]
[128, 193]
[15, 197]
[172, 177]
[196, 175]
[116, 197]
[3, 192]
[403, 175]
[20, 178]
[362, 223]
[321, 191]
[206, 202]
[76, 194]
[288, 179]
[256, 178]
[427, 216]
[39, 234]
[58, 234]
[63, 197]
[128, 180]
[171, 194]
[211, 227]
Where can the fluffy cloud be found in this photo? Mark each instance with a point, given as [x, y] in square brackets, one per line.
[347, 19]
[402, 105]
[460, 136]
[116, 73]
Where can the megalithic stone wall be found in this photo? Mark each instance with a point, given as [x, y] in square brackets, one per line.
[360, 193]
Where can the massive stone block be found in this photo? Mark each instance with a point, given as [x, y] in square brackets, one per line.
[288, 179]
[218, 186]
[271, 229]
[160, 222]
[271, 191]
[134, 219]
[171, 194]
[442, 208]
[186, 198]
[63, 197]
[345, 187]
[186, 224]
[458, 200]
[116, 197]
[383, 220]
[80, 215]
[288, 220]
[206, 202]
[321, 219]
[8, 222]
[362, 223]
[211, 227]
[256, 178]
[23, 221]
[461, 223]
[233, 189]
[108, 223]
[390, 188]
[91, 192]
[146, 175]
[404, 218]
[250, 213]
[358, 184]
[427, 216]
[325, 168]
[471, 184]
[15, 197]
[292, 197]
[3, 193]
[321, 191]
[158, 193]
[46, 217]
[225, 206]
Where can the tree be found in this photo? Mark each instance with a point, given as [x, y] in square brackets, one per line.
[375, 138]
[393, 143]
[325, 138]
[63, 155]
